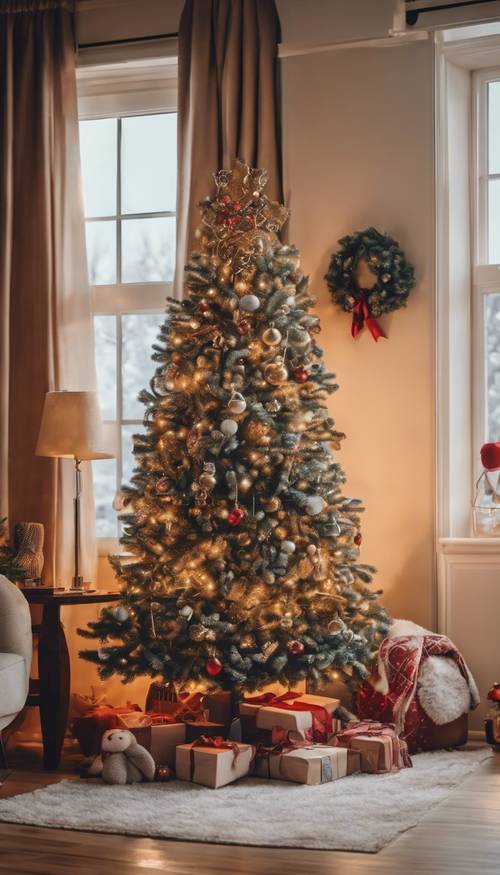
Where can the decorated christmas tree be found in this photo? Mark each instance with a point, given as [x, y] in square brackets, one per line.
[242, 554]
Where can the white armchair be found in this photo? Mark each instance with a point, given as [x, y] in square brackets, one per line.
[15, 655]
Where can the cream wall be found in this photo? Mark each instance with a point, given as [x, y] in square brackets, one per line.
[358, 150]
[358, 146]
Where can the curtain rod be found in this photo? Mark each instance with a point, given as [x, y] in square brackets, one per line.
[412, 15]
[131, 39]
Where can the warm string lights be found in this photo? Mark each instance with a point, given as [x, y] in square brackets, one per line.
[245, 565]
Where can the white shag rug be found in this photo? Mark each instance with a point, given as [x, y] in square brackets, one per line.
[359, 813]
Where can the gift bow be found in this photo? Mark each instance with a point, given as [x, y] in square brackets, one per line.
[321, 718]
[361, 314]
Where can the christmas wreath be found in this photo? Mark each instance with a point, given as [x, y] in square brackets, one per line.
[395, 278]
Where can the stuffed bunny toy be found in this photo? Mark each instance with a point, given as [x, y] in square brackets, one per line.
[122, 759]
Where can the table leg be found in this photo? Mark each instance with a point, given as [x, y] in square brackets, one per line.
[54, 674]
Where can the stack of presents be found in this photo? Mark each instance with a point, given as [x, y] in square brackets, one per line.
[291, 737]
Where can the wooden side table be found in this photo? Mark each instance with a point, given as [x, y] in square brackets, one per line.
[50, 691]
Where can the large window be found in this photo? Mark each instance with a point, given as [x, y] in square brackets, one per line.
[129, 169]
[487, 257]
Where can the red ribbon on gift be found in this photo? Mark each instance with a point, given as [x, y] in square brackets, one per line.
[361, 315]
[321, 718]
[220, 743]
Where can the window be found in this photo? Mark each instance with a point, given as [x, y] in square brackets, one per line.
[486, 304]
[129, 169]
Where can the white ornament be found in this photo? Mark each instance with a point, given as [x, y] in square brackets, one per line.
[288, 547]
[315, 504]
[290, 301]
[249, 303]
[120, 613]
[186, 611]
[103, 654]
[237, 404]
[228, 427]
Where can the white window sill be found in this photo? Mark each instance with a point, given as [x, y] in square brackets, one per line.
[478, 546]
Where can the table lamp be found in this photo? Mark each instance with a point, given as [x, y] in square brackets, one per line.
[72, 428]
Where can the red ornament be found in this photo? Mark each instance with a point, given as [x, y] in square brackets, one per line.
[494, 693]
[213, 666]
[296, 647]
[358, 538]
[300, 375]
[490, 456]
[243, 326]
[163, 773]
[225, 199]
[236, 206]
[234, 221]
[236, 516]
[203, 307]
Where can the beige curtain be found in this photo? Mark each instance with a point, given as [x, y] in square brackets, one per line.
[45, 317]
[228, 102]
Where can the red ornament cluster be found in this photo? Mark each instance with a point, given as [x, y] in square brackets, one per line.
[296, 647]
[236, 516]
[230, 214]
[213, 666]
[243, 326]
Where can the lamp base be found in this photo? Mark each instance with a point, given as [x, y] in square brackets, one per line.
[77, 582]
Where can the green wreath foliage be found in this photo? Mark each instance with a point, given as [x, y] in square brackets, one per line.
[385, 259]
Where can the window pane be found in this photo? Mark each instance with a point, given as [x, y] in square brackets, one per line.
[494, 127]
[128, 459]
[149, 163]
[492, 346]
[105, 359]
[139, 332]
[148, 250]
[99, 166]
[101, 252]
[104, 472]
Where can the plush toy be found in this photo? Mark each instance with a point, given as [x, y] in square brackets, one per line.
[122, 760]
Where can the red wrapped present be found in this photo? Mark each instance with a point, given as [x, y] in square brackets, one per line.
[90, 728]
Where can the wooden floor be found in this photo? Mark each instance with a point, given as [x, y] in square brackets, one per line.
[460, 836]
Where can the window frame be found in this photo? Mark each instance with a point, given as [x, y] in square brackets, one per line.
[485, 276]
[117, 90]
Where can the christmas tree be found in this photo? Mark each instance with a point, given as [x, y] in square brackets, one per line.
[243, 555]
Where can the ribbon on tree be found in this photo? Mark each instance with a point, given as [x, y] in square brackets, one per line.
[361, 316]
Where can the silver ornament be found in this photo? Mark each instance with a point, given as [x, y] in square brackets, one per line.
[315, 504]
[103, 654]
[299, 338]
[237, 404]
[120, 613]
[249, 303]
[228, 427]
[186, 612]
[288, 547]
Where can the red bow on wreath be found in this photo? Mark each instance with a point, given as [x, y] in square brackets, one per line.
[361, 315]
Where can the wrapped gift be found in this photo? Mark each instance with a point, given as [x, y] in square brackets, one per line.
[378, 744]
[219, 707]
[293, 712]
[164, 699]
[195, 729]
[89, 729]
[213, 762]
[311, 764]
[157, 734]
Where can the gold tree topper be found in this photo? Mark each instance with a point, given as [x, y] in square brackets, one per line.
[241, 220]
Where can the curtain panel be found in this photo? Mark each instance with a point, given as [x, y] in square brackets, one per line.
[228, 103]
[46, 339]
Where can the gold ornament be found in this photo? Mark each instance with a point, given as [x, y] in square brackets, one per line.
[280, 533]
[270, 505]
[244, 484]
[276, 373]
[271, 336]
[243, 539]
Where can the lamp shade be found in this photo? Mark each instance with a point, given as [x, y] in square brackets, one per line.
[71, 427]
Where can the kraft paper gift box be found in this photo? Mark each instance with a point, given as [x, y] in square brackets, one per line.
[160, 740]
[212, 766]
[315, 764]
[376, 752]
[268, 716]
[218, 705]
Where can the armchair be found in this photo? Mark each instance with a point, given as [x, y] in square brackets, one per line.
[15, 655]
